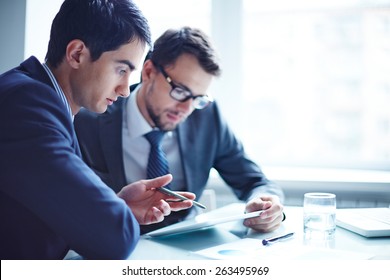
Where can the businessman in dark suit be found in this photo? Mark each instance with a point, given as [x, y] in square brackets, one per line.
[172, 97]
[50, 200]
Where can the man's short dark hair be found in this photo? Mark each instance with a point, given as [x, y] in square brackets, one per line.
[175, 42]
[103, 25]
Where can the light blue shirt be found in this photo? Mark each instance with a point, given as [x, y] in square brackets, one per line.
[136, 148]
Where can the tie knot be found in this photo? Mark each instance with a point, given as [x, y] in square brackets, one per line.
[154, 137]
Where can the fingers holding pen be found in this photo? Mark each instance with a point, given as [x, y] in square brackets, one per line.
[270, 219]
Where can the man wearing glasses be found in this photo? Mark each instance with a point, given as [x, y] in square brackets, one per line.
[172, 97]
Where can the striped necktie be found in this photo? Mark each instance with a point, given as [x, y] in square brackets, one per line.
[157, 163]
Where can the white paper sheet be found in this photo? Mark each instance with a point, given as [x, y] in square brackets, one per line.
[251, 248]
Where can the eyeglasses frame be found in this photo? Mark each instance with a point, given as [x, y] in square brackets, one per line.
[173, 85]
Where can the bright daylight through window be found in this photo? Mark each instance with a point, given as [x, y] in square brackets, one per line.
[305, 83]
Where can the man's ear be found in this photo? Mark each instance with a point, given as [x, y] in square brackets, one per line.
[76, 52]
[148, 70]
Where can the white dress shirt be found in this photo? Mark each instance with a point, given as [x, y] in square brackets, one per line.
[136, 147]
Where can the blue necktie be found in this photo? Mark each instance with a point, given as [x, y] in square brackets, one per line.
[157, 163]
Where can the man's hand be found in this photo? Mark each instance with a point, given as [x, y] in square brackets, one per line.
[150, 206]
[270, 219]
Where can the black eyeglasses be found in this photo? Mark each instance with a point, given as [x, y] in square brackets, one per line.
[182, 95]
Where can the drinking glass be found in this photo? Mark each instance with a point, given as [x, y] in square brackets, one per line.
[319, 215]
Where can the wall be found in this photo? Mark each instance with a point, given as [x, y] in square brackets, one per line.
[12, 22]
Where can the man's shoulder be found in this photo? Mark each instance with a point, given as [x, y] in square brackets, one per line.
[28, 73]
[24, 85]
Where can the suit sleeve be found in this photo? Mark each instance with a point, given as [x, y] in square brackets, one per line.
[42, 171]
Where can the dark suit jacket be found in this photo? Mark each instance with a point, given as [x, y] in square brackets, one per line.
[205, 142]
[50, 200]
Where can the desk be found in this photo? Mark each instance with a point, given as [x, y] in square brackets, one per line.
[182, 246]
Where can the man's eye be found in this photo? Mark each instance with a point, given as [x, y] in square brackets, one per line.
[180, 90]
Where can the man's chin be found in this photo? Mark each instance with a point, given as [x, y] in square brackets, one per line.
[169, 127]
[98, 110]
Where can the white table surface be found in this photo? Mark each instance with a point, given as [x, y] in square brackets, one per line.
[182, 246]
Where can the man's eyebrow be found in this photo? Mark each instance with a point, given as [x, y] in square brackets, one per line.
[183, 87]
[128, 63]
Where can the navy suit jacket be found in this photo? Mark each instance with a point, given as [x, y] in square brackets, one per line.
[50, 200]
[205, 142]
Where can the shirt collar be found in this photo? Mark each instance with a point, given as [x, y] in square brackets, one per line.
[58, 89]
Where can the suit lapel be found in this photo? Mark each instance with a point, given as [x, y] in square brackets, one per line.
[76, 144]
[110, 133]
[36, 70]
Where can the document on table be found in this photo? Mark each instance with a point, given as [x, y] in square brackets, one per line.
[251, 248]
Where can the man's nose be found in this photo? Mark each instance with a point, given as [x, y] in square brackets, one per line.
[124, 89]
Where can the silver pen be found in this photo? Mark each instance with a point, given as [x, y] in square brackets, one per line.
[269, 241]
[172, 193]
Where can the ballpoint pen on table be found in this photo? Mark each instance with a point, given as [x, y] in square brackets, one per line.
[172, 193]
[269, 241]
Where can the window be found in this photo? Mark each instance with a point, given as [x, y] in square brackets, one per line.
[303, 84]
[315, 83]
